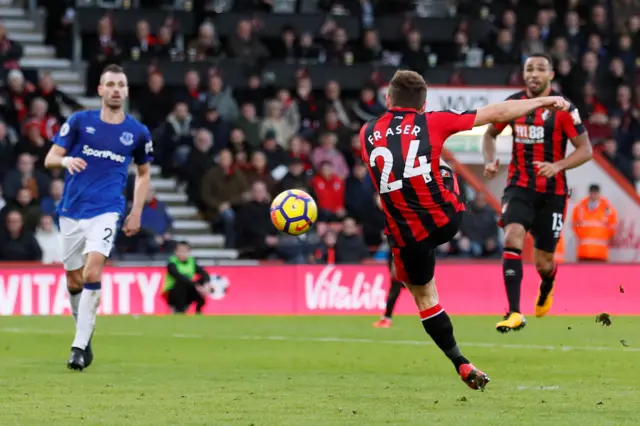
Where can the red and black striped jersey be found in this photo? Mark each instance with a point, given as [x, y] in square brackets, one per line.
[540, 136]
[402, 151]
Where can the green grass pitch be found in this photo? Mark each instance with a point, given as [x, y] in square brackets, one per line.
[304, 371]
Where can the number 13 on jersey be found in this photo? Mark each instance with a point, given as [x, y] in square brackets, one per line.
[410, 169]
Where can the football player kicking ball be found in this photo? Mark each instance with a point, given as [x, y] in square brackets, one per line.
[402, 150]
[535, 198]
[95, 148]
[451, 183]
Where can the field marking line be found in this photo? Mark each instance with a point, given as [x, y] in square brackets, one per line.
[337, 340]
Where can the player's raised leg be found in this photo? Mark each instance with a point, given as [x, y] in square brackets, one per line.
[418, 263]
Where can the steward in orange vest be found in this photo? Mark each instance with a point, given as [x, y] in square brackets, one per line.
[594, 224]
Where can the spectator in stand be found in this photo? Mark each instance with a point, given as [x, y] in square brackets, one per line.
[533, 42]
[28, 207]
[50, 241]
[329, 192]
[175, 140]
[275, 122]
[276, 156]
[479, 230]
[290, 110]
[296, 176]
[54, 97]
[331, 123]
[367, 108]
[49, 203]
[505, 51]
[105, 50]
[327, 152]
[308, 50]
[7, 150]
[340, 50]
[414, 56]
[619, 161]
[17, 98]
[40, 116]
[350, 247]
[34, 143]
[200, 160]
[219, 128]
[326, 253]
[359, 193]
[260, 173]
[371, 49]
[257, 237]
[254, 93]
[10, 51]
[239, 146]
[221, 99]
[16, 243]
[223, 189]
[250, 125]
[287, 50]
[245, 46]
[142, 47]
[594, 222]
[333, 102]
[191, 93]
[26, 176]
[307, 105]
[300, 149]
[165, 47]
[155, 226]
[155, 102]
[206, 45]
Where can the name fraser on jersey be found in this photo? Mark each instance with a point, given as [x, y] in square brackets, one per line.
[88, 151]
[407, 129]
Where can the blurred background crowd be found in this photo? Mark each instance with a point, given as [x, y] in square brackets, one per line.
[247, 98]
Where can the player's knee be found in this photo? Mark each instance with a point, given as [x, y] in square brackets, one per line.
[74, 280]
[543, 262]
[425, 296]
[92, 273]
[514, 236]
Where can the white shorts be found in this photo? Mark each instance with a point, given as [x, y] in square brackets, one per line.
[80, 237]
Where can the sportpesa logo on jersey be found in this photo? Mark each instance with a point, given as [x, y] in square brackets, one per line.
[110, 155]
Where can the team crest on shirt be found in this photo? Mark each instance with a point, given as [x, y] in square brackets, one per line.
[545, 114]
[126, 139]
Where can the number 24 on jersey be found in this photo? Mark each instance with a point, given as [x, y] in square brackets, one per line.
[410, 170]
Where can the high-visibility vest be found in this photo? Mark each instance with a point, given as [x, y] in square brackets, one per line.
[594, 229]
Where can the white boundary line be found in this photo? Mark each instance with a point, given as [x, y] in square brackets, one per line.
[338, 340]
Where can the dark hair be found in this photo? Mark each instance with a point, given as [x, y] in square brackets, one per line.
[407, 89]
[112, 68]
[594, 188]
[543, 56]
[183, 243]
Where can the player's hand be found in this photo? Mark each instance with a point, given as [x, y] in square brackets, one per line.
[131, 224]
[75, 165]
[492, 169]
[555, 103]
[547, 170]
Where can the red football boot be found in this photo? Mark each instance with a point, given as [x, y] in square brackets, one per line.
[382, 323]
[473, 377]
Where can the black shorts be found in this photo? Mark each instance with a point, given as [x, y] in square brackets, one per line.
[541, 214]
[415, 263]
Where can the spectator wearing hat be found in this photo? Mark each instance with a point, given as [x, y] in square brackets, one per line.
[594, 222]
[219, 127]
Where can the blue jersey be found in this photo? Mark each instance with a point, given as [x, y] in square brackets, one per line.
[108, 150]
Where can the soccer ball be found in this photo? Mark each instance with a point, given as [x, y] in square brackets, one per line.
[293, 212]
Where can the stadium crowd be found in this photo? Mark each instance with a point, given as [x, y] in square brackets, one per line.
[236, 148]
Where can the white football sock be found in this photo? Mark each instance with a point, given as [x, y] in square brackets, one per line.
[74, 301]
[87, 310]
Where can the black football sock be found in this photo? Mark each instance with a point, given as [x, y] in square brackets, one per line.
[547, 281]
[438, 325]
[392, 297]
[512, 270]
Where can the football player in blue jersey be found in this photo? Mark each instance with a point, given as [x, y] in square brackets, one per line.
[96, 147]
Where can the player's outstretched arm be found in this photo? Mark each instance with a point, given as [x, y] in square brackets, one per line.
[506, 111]
[56, 158]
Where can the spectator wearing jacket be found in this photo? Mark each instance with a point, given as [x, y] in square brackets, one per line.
[155, 224]
[329, 191]
[479, 229]
[594, 222]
